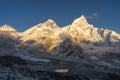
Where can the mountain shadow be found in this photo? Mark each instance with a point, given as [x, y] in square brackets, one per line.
[7, 42]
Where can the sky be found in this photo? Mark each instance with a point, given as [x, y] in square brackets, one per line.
[23, 14]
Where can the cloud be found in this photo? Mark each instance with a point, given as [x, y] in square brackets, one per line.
[92, 16]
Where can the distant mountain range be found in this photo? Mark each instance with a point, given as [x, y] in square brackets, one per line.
[48, 37]
[95, 49]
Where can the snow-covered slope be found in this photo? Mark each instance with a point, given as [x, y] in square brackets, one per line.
[43, 36]
[41, 30]
[81, 30]
[8, 30]
[47, 37]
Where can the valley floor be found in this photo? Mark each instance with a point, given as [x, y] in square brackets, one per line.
[7, 73]
[56, 69]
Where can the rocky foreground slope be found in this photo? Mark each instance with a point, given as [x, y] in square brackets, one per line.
[76, 50]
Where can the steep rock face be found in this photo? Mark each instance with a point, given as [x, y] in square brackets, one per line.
[80, 30]
[68, 49]
[45, 36]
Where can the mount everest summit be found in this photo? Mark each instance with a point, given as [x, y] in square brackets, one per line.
[93, 48]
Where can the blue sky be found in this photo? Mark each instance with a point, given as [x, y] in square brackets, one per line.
[23, 14]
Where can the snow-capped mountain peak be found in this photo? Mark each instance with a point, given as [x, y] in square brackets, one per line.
[82, 23]
[8, 28]
[9, 31]
[80, 20]
[50, 23]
